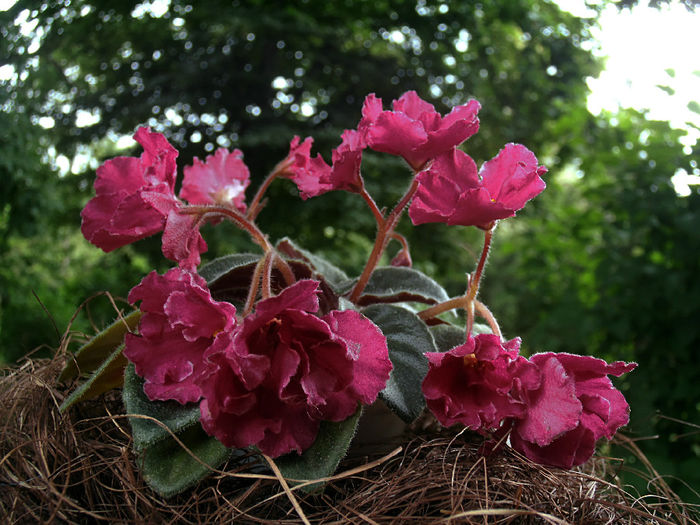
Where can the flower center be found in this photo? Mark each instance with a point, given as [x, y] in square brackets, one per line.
[228, 193]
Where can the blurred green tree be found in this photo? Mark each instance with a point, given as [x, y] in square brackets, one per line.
[252, 74]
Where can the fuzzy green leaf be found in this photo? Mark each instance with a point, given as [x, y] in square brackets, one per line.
[408, 339]
[390, 284]
[328, 271]
[447, 336]
[169, 469]
[323, 457]
[95, 352]
[479, 328]
[172, 414]
[109, 375]
[219, 267]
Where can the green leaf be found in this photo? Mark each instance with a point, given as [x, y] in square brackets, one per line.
[447, 336]
[229, 276]
[169, 469]
[173, 415]
[694, 106]
[217, 268]
[95, 352]
[330, 273]
[408, 339]
[390, 284]
[480, 328]
[109, 375]
[166, 466]
[323, 457]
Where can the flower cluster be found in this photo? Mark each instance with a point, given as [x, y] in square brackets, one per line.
[269, 365]
[556, 405]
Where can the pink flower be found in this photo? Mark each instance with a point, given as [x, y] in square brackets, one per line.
[574, 406]
[451, 190]
[221, 179]
[314, 177]
[473, 384]
[285, 369]
[305, 171]
[414, 130]
[118, 214]
[345, 172]
[180, 321]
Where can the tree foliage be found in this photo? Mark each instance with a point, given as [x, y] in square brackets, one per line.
[252, 74]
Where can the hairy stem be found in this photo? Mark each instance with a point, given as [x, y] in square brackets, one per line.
[475, 280]
[384, 232]
[378, 215]
[237, 218]
[490, 318]
[254, 286]
[446, 306]
[256, 202]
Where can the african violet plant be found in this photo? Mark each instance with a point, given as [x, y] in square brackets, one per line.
[278, 352]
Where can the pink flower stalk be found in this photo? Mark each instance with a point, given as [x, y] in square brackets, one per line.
[180, 322]
[314, 177]
[414, 130]
[453, 192]
[473, 384]
[118, 214]
[272, 381]
[222, 179]
[575, 405]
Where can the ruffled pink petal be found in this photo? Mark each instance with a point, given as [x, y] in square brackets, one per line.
[345, 171]
[367, 348]
[371, 109]
[168, 363]
[476, 207]
[446, 133]
[305, 171]
[197, 313]
[397, 134]
[121, 174]
[158, 158]
[180, 322]
[471, 384]
[441, 186]
[182, 241]
[221, 179]
[553, 409]
[298, 432]
[572, 448]
[302, 295]
[413, 106]
[513, 177]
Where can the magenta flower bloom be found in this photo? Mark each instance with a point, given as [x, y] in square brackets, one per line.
[180, 322]
[345, 171]
[272, 381]
[414, 130]
[575, 405]
[118, 214]
[474, 383]
[221, 179]
[451, 191]
[314, 177]
[304, 170]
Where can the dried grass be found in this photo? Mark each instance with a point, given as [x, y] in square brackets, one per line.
[79, 468]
